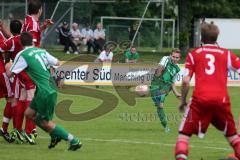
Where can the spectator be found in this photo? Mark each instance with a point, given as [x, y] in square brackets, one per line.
[131, 55]
[65, 38]
[99, 37]
[88, 38]
[76, 35]
[105, 56]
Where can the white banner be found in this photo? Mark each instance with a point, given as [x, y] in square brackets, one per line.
[119, 74]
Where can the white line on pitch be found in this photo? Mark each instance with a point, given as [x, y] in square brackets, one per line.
[145, 142]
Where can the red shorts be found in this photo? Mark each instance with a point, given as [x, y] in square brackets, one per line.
[5, 86]
[26, 81]
[199, 115]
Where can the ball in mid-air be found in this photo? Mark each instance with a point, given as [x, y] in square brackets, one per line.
[142, 90]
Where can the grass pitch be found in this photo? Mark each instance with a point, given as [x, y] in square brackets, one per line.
[129, 133]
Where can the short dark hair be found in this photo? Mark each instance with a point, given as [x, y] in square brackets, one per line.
[26, 39]
[15, 27]
[34, 6]
[209, 33]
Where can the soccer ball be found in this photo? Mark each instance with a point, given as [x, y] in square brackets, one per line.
[142, 90]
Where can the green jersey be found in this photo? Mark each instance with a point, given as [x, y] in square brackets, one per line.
[36, 62]
[163, 83]
[130, 56]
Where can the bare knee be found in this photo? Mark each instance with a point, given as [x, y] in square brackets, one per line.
[30, 113]
[161, 105]
[30, 94]
[47, 125]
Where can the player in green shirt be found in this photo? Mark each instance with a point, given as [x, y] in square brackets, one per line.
[163, 82]
[131, 55]
[36, 62]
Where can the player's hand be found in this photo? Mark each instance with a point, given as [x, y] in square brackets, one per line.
[179, 96]
[182, 106]
[48, 22]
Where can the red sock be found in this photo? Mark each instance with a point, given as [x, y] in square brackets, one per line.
[7, 114]
[30, 125]
[14, 115]
[236, 146]
[181, 150]
[19, 114]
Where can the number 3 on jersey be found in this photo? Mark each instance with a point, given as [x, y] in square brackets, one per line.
[211, 67]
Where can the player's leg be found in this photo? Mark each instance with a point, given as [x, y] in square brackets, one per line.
[159, 103]
[181, 150]
[5, 91]
[235, 143]
[30, 126]
[225, 123]
[185, 131]
[16, 95]
[195, 121]
[58, 133]
[19, 114]
[45, 111]
[7, 115]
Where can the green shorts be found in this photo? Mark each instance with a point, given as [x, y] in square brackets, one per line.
[44, 104]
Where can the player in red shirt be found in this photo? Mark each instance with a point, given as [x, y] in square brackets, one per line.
[32, 25]
[31, 22]
[210, 102]
[5, 92]
[22, 82]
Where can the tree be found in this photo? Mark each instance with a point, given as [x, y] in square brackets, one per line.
[184, 24]
[188, 10]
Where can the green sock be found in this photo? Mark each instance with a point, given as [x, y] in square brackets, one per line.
[58, 131]
[162, 116]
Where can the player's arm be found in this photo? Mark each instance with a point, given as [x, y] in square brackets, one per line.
[162, 64]
[233, 62]
[187, 75]
[100, 58]
[4, 30]
[18, 66]
[176, 93]
[184, 92]
[46, 23]
[52, 61]
[159, 70]
[3, 49]
[8, 46]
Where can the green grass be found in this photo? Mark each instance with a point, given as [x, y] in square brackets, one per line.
[112, 137]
